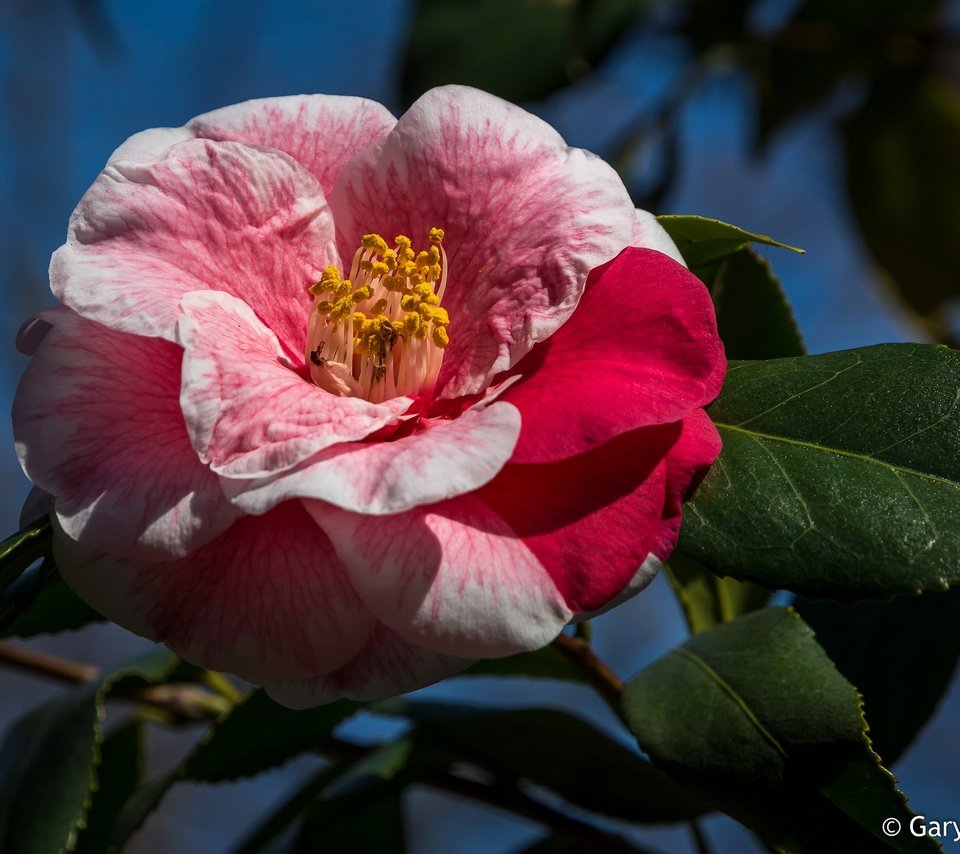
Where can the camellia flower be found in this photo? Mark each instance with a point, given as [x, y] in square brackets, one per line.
[341, 403]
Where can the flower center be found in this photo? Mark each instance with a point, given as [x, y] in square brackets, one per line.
[381, 332]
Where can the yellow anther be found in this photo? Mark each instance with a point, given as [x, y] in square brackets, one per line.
[403, 241]
[390, 257]
[380, 306]
[330, 275]
[440, 337]
[440, 317]
[324, 306]
[317, 288]
[423, 259]
[358, 318]
[392, 283]
[436, 235]
[411, 322]
[366, 265]
[343, 289]
[379, 269]
[361, 294]
[410, 302]
[374, 242]
[407, 269]
[421, 332]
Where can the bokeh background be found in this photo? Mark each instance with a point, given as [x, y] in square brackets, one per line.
[833, 126]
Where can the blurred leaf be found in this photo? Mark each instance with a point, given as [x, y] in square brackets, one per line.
[118, 775]
[545, 663]
[523, 743]
[40, 602]
[521, 50]
[707, 599]
[48, 761]
[702, 240]
[370, 819]
[799, 773]
[839, 475]
[901, 655]
[754, 319]
[21, 549]
[904, 184]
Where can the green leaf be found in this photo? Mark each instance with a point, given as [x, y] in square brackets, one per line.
[901, 655]
[118, 775]
[483, 43]
[904, 186]
[707, 599]
[839, 476]
[48, 762]
[523, 743]
[545, 663]
[754, 319]
[41, 603]
[702, 240]
[753, 715]
[21, 549]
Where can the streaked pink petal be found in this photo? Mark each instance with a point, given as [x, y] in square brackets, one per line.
[649, 234]
[149, 146]
[452, 577]
[268, 599]
[643, 576]
[250, 413]
[207, 216]
[443, 459]
[590, 520]
[321, 132]
[687, 464]
[642, 348]
[526, 218]
[97, 424]
[385, 667]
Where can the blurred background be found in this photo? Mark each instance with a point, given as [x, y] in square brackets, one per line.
[834, 126]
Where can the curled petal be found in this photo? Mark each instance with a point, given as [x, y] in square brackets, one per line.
[590, 520]
[249, 412]
[649, 234]
[443, 459]
[207, 216]
[388, 665]
[451, 577]
[641, 349]
[526, 218]
[98, 426]
[268, 599]
[321, 132]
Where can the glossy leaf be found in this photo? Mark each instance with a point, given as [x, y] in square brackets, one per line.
[48, 762]
[702, 240]
[839, 476]
[707, 599]
[483, 43]
[754, 716]
[901, 656]
[40, 602]
[21, 549]
[754, 319]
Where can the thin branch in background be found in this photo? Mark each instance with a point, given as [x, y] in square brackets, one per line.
[43, 663]
[600, 674]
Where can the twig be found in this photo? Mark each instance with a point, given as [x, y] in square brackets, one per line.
[601, 676]
[35, 661]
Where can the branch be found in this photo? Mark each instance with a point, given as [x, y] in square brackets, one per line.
[43, 663]
[598, 672]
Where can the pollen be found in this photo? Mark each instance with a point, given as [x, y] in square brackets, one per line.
[381, 330]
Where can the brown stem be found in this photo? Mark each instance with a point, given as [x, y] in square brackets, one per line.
[599, 673]
[35, 661]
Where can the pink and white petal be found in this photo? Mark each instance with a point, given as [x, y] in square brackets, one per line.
[642, 348]
[97, 424]
[687, 465]
[249, 412]
[452, 577]
[647, 572]
[526, 218]
[149, 146]
[590, 520]
[321, 132]
[387, 666]
[207, 216]
[649, 234]
[442, 459]
[268, 599]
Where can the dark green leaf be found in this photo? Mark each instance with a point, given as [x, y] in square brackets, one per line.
[48, 760]
[42, 603]
[904, 185]
[839, 476]
[702, 240]
[484, 43]
[707, 599]
[523, 743]
[754, 716]
[545, 663]
[18, 551]
[118, 775]
[900, 655]
[754, 319]
[370, 819]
